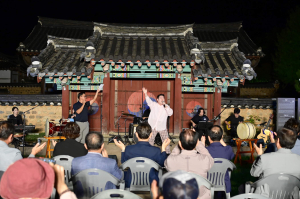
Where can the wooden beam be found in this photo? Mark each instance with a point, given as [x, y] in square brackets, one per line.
[106, 104]
[177, 105]
[65, 102]
[217, 104]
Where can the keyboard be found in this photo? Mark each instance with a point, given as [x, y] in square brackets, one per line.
[27, 127]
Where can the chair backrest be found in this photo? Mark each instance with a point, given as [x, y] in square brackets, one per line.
[249, 195]
[204, 182]
[140, 168]
[116, 193]
[89, 182]
[216, 175]
[1, 174]
[281, 185]
[66, 162]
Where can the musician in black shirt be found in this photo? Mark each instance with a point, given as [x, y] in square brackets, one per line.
[200, 116]
[15, 118]
[234, 120]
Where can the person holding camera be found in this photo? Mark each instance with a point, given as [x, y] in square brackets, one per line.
[10, 155]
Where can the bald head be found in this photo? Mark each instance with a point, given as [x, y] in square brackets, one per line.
[188, 139]
[94, 141]
[215, 133]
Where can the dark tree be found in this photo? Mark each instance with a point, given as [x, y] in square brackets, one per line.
[287, 57]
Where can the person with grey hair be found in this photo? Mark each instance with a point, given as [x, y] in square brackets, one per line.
[143, 149]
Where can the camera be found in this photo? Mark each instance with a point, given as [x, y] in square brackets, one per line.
[48, 160]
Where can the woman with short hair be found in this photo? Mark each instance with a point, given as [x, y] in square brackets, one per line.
[70, 146]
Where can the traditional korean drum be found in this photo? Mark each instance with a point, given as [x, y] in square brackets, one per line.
[246, 130]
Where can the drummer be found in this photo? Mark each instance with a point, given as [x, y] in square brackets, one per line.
[234, 120]
[15, 118]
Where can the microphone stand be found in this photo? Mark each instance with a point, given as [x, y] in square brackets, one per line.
[218, 116]
[24, 124]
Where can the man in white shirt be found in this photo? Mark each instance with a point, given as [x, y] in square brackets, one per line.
[159, 114]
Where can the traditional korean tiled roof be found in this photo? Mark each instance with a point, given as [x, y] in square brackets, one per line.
[30, 100]
[227, 31]
[139, 43]
[145, 44]
[252, 103]
[37, 40]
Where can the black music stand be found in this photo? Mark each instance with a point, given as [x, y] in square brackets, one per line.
[118, 137]
[24, 124]
[202, 129]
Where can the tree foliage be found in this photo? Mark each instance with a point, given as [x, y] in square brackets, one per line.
[287, 57]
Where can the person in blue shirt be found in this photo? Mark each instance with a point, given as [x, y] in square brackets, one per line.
[96, 158]
[143, 149]
[81, 109]
[218, 149]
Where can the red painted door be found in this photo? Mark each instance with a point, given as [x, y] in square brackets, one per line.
[127, 97]
[190, 105]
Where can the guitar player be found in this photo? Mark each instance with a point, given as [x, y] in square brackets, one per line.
[233, 121]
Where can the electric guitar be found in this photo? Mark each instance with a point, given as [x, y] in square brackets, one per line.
[227, 125]
[264, 132]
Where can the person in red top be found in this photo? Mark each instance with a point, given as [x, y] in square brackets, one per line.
[159, 114]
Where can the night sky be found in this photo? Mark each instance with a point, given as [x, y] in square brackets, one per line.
[262, 19]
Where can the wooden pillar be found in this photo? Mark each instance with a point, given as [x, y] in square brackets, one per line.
[65, 101]
[217, 104]
[177, 105]
[106, 104]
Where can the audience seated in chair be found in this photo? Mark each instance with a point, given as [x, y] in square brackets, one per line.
[70, 146]
[143, 149]
[10, 155]
[292, 124]
[175, 185]
[33, 178]
[218, 149]
[97, 158]
[281, 161]
[191, 155]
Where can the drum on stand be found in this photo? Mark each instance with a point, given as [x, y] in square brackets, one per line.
[246, 130]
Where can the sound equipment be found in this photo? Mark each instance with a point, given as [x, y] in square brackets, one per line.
[132, 130]
[264, 132]
[246, 130]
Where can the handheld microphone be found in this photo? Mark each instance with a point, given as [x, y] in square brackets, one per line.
[164, 104]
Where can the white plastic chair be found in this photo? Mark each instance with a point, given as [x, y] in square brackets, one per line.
[66, 162]
[140, 168]
[116, 193]
[216, 175]
[278, 186]
[93, 181]
[249, 195]
[204, 182]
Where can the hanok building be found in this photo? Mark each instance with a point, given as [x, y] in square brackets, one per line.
[192, 65]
